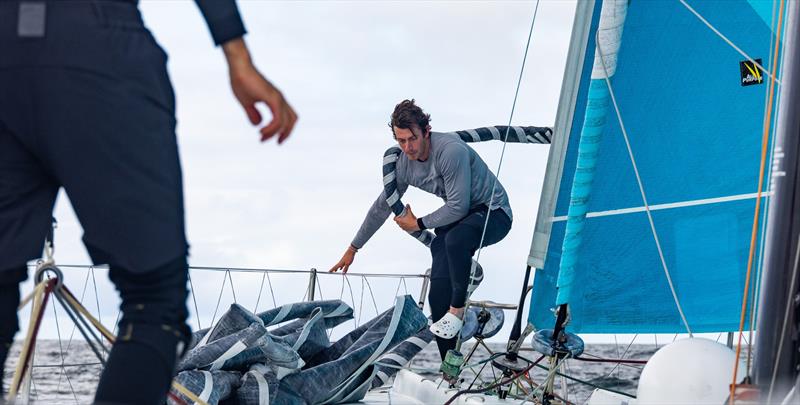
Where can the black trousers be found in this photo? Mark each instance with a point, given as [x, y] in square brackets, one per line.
[452, 251]
[86, 105]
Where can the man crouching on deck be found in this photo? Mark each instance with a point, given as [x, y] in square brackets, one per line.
[444, 165]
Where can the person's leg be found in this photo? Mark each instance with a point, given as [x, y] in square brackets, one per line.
[104, 118]
[152, 335]
[9, 300]
[439, 299]
[462, 242]
[27, 196]
[440, 289]
[461, 245]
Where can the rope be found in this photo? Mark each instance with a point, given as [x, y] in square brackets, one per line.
[760, 266]
[753, 235]
[83, 311]
[618, 361]
[39, 301]
[495, 385]
[728, 41]
[578, 380]
[622, 356]
[641, 190]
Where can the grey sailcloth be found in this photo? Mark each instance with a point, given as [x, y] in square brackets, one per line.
[210, 386]
[306, 336]
[334, 312]
[233, 345]
[388, 364]
[234, 320]
[344, 371]
[536, 135]
[258, 386]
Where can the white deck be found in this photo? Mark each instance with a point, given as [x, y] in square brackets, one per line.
[412, 389]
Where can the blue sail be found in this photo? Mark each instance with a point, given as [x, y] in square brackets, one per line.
[695, 123]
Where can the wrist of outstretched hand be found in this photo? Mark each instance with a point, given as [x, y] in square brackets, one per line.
[236, 54]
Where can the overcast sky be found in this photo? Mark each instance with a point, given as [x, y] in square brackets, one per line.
[343, 66]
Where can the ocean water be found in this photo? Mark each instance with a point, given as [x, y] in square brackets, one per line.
[76, 381]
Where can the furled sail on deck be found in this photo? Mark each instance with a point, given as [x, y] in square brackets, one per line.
[693, 108]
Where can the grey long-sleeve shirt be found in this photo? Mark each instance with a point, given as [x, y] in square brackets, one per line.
[454, 172]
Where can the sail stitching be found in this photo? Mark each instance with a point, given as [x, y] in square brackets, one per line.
[644, 196]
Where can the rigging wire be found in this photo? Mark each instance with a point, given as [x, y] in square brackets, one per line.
[96, 295]
[753, 235]
[754, 305]
[61, 354]
[728, 41]
[219, 299]
[194, 299]
[505, 136]
[233, 290]
[641, 189]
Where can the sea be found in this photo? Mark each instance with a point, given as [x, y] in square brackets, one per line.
[72, 379]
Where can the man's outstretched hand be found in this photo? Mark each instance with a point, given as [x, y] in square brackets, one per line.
[250, 87]
[346, 260]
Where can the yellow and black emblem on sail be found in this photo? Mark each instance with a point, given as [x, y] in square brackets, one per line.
[751, 72]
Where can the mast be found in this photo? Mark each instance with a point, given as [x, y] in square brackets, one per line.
[777, 358]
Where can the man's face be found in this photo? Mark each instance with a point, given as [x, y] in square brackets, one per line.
[414, 142]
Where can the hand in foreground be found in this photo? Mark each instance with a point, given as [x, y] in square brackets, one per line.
[250, 86]
[346, 260]
[407, 221]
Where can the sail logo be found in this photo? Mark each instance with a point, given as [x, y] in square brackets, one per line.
[751, 73]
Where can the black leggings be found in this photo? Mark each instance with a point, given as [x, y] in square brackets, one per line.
[452, 251]
[152, 331]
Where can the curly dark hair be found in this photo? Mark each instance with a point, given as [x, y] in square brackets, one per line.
[406, 115]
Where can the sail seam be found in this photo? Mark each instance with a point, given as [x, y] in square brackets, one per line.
[657, 207]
